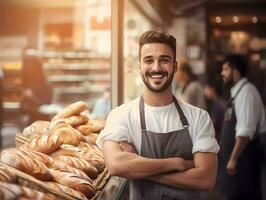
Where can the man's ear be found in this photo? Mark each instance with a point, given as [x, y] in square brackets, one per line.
[236, 74]
[175, 66]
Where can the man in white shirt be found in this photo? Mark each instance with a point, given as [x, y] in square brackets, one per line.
[244, 120]
[174, 150]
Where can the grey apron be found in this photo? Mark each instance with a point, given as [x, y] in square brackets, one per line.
[163, 145]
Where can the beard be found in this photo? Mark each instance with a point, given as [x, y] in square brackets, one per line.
[228, 82]
[164, 87]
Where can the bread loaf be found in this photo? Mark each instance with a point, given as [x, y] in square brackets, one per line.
[67, 133]
[84, 129]
[96, 125]
[21, 161]
[76, 120]
[74, 182]
[37, 128]
[80, 164]
[68, 150]
[41, 157]
[91, 138]
[56, 164]
[67, 190]
[6, 175]
[11, 191]
[70, 110]
[45, 144]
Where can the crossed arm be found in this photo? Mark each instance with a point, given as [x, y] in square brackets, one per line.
[174, 171]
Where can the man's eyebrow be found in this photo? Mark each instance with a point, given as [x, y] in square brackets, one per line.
[165, 56]
[147, 57]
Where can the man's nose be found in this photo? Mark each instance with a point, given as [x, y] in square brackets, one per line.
[156, 65]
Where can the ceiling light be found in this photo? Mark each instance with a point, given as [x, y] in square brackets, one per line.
[255, 20]
[235, 19]
[218, 20]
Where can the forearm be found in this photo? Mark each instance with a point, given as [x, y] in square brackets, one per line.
[239, 146]
[200, 177]
[131, 165]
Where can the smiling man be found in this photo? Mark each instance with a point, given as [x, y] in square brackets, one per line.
[165, 146]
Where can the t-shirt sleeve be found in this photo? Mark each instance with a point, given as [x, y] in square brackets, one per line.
[204, 135]
[115, 128]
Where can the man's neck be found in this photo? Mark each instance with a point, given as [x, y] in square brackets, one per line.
[158, 99]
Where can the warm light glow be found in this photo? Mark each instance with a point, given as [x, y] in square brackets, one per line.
[254, 19]
[218, 19]
[235, 19]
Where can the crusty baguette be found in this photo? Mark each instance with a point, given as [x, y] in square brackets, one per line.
[76, 120]
[73, 182]
[54, 164]
[37, 156]
[45, 144]
[37, 128]
[68, 150]
[93, 155]
[7, 175]
[84, 129]
[67, 133]
[72, 109]
[67, 190]
[91, 138]
[96, 125]
[80, 164]
[12, 191]
[23, 162]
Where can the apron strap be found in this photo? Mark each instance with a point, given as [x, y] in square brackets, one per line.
[181, 114]
[230, 103]
[142, 113]
[179, 110]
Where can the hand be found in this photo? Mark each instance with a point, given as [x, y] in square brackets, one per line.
[189, 164]
[231, 167]
[128, 147]
[184, 165]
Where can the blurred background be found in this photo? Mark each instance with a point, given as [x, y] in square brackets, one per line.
[53, 53]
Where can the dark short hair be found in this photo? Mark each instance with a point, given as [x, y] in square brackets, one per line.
[157, 37]
[238, 62]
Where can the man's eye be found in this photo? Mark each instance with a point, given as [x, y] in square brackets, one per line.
[164, 60]
[148, 61]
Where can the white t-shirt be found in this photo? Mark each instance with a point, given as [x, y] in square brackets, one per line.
[249, 110]
[123, 124]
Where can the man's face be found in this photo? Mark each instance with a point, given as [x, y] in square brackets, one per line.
[157, 66]
[227, 74]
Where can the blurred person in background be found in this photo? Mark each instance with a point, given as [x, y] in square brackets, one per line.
[189, 88]
[215, 105]
[244, 120]
[163, 145]
[102, 106]
[36, 89]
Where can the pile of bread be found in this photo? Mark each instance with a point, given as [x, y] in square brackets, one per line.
[9, 190]
[61, 152]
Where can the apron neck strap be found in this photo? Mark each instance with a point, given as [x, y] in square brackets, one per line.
[181, 114]
[237, 92]
[142, 113]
